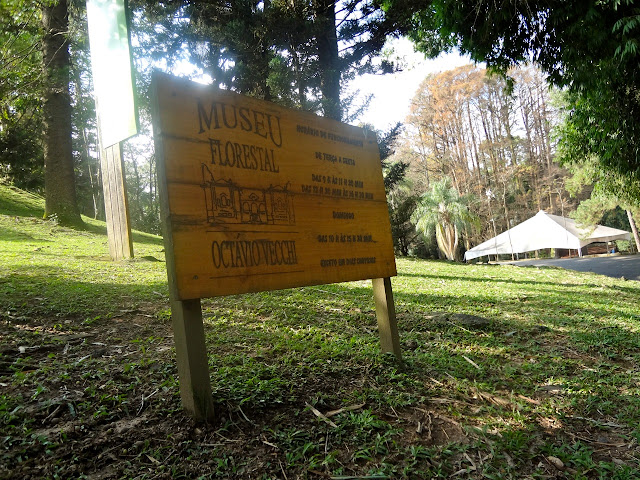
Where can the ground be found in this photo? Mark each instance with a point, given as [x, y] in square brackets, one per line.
[106, 406]
[507, 372]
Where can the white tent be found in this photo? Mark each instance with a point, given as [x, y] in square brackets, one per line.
[545, 231]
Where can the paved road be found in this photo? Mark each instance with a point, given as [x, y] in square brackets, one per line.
[617, 266]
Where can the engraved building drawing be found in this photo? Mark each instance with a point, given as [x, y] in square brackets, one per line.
[228, 202]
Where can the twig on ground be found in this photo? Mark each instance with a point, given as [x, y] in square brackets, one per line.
[266, 442]
[245, 417]
[368, 477]
[596, 422]
[464, 470]
[320, 415]
[144, 400]
[471, 362]
[225, 438]
[52, 414]
[345, 409]
[530, 400]
[283, 472]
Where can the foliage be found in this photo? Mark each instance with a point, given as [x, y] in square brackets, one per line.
[493, 140]
[282, 51]
[568, 40]
[142, 188]
[444, 212]
[400, 198]
[596, 128]
[589, 47]
[84, 122]
[21, 156]
[402, 203]
[274, 50]
[610, 191]
[550, 375]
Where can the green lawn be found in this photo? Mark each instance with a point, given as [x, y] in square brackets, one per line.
[547, 386]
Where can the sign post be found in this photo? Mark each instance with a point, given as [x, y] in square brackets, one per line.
[116, 111]
[386, 314]
[116, 205]
[257, 197]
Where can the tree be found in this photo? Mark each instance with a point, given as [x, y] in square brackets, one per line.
[21, 156]
[89, 191]
[59, 175]
[603, 199]
[297, 53]
[41, 111]
[591, 48]
[603, 125]
[444, 211]
[401, 200]
[492, 140]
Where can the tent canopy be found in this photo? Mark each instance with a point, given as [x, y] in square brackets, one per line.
[545, 231]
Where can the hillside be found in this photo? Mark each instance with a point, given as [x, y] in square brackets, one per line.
[508, 372]
[14, 201]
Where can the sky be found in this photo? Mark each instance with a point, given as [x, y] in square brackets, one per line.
[393, 92]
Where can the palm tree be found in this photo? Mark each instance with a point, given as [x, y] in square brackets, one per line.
[444, 210]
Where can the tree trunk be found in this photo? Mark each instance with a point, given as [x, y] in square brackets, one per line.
[59, 177]
[301, 86]
[634, 229]
[329, 62]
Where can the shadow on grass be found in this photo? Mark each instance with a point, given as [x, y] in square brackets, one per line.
[12, 235]
[275, 347]
[320, 345]
[560, 306]
[138, 237]
[496, 280]
[269, 353]
[51, 294]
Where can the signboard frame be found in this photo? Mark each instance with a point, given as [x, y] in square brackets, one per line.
[310, 212]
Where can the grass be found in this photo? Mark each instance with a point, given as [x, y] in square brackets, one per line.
[547, 386]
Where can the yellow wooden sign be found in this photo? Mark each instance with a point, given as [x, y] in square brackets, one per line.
[258, 197]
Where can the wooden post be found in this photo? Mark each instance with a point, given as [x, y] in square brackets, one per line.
[191, 353]
[386, 313]
[116, 205]
[186, 315]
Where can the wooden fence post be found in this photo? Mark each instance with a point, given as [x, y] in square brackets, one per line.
[386, 314]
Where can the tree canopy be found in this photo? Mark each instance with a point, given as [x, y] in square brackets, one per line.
[591, 48]
[297, 53]
[21, 156]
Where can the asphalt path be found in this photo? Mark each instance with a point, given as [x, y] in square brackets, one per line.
[617, 266]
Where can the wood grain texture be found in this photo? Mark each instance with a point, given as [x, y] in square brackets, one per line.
[386, 315]
[191, 355]
[258, 197]
[116, 203]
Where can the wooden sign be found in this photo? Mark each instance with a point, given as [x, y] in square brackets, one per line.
[258, 197]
